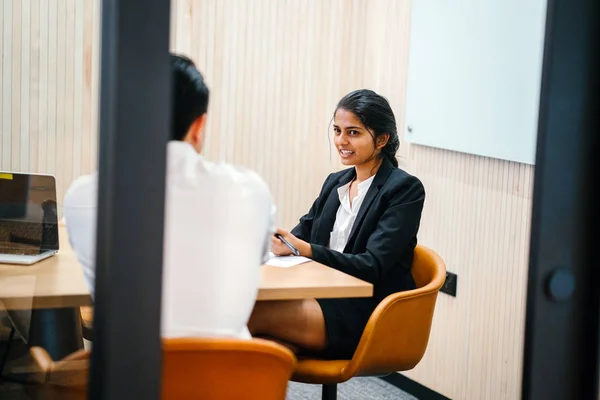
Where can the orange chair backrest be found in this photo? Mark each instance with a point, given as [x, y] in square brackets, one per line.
[427, 265]
[193, 368]
[225, 369]
[397, 332]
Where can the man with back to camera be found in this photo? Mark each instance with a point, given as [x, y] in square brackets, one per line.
[208, 290]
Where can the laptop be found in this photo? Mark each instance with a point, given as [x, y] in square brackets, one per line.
[28, 218]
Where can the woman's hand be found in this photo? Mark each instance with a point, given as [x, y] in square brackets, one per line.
[280, 249]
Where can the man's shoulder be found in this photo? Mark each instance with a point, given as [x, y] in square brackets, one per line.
[84, 181]
[82, 189]
[237, 176]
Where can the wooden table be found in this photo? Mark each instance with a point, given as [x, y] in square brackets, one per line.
[58, 282]
[43, 300]
[54, 289]
[52, 283]
[308, 281]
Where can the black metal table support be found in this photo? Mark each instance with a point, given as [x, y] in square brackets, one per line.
[58, 330]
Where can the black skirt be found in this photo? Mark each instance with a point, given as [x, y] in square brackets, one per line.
[345, 320]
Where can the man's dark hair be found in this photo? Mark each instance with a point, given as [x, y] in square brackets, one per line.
[190, 95]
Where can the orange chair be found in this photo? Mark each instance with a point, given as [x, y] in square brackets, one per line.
[193, 368]
[225, 369]
[395, 337]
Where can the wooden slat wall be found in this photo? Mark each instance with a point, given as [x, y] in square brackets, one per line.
[477, 217]
[276, 69]
[49, 95]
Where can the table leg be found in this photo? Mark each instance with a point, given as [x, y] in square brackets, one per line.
[58, 330]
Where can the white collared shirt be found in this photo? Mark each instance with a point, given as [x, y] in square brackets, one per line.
[218, 226]
[346, 214]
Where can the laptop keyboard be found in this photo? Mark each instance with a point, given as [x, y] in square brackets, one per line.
[26, 238]
[19, 251]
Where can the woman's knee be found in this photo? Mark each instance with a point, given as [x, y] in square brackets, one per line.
[315, 334]
[267, 315]
[300, 321]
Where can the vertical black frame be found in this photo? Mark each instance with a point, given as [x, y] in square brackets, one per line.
[562, 335]
[134, 124]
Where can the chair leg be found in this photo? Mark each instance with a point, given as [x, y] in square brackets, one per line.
[6, 349]
[329, 392]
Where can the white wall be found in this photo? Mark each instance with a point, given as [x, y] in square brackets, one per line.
[474, 76]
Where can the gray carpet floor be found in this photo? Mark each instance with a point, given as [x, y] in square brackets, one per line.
[354, 389]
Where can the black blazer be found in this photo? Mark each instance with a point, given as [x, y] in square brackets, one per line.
[382, 240]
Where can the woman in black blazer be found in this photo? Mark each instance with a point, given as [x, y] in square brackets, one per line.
[364, 223]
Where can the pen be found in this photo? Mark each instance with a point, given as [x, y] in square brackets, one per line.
[288, 244]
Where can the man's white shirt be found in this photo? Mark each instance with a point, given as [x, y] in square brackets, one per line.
[218, 224]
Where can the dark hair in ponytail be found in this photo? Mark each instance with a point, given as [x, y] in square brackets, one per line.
[377, 116]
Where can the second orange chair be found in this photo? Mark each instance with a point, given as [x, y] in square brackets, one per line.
[192, 369]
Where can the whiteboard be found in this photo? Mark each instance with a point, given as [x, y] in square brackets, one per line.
[474, 76]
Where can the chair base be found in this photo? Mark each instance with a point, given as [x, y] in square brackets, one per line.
[329, 391]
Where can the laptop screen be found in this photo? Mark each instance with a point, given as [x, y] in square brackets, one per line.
[28, 214]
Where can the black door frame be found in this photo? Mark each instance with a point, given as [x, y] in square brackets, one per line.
[562, 336]
[135, 89]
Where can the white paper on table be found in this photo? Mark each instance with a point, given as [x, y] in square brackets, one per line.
[286, 261]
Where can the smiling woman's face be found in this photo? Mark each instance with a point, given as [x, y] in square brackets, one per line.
[352, 140]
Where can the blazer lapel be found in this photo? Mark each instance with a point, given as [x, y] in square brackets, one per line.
[327, 220]
[384, 171]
